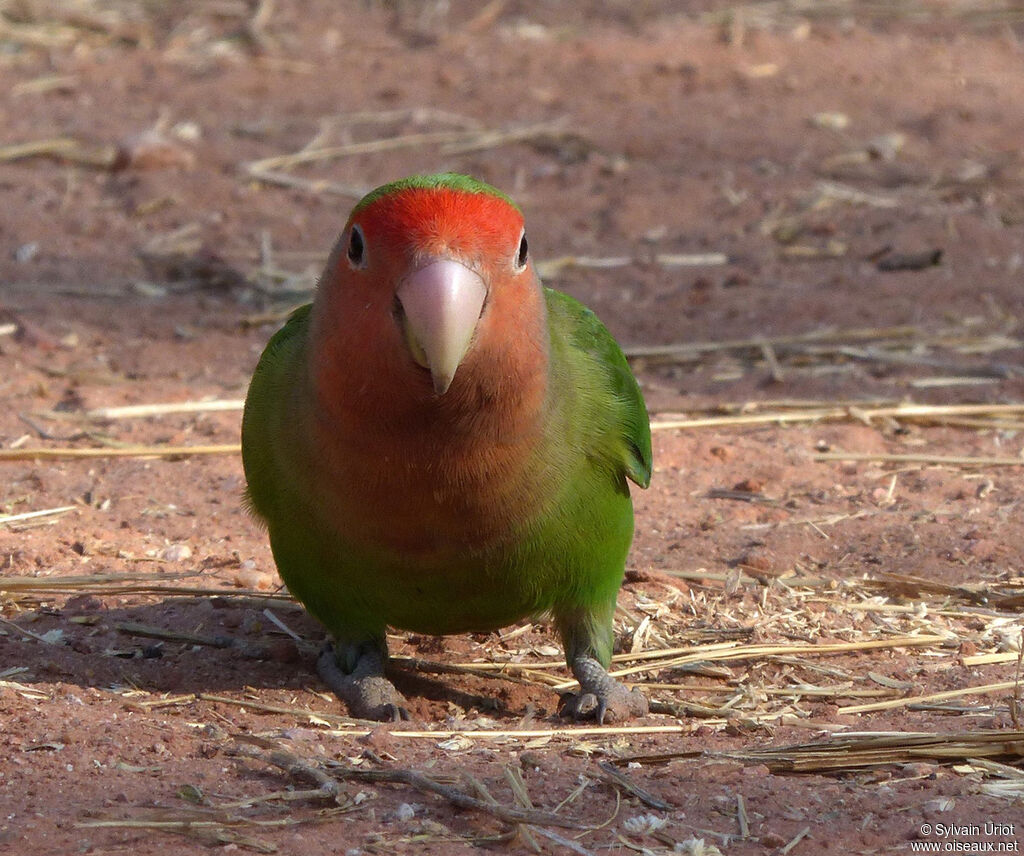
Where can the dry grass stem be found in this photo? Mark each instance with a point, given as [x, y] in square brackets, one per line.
[136, 583]
[691, 259]
[32, 515]
[691, 349]
[270, 169]
[299, 712]
[555, 267]
[743, 652]
[742, 820]
[28, 634]
[921, 458]
[986, 689]
[121, 452]
[310, 185]
[866, 749]
[573, 731]
[135, 411]
[101, 157]
[795, 412]
[481, 140]
[515, 781]
[795, 840]
[551, 268]
[987, 659]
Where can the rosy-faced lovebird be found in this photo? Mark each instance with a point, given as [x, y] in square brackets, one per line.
[440, 444]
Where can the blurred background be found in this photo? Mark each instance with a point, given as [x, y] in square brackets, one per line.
[695, 170]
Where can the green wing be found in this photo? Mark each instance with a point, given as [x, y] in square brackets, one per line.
[592, 349]
[294, 328]
[262, 421]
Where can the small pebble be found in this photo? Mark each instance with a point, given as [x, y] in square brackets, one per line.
[831, 120]
[176, 553]
[26, 252]
[251, 578]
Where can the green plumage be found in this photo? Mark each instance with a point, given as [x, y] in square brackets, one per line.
[567, 559]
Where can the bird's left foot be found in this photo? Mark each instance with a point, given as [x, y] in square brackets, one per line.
[601, 697]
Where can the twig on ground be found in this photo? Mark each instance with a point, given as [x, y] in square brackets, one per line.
[412, 778]
[622, 780]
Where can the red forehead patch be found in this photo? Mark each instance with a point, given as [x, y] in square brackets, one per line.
[427, 219]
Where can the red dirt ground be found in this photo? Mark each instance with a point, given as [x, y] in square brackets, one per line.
[810, 150]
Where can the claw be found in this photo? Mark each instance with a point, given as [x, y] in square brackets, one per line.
[395, 713]
[578, 706]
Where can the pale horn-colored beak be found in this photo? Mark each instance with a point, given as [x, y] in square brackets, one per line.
[441, 304]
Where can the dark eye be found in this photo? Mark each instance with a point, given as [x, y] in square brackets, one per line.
[356, 247]
[523, 256]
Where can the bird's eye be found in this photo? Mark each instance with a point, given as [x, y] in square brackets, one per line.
[356, 247]
[523, 256]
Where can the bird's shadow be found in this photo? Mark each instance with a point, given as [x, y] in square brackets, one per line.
[196, 645]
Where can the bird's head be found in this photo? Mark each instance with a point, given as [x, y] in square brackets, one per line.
[430, 287]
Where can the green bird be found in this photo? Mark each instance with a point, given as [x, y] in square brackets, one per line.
[440, 444]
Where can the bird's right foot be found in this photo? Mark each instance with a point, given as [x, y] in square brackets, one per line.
[601, 697]
[365, 690]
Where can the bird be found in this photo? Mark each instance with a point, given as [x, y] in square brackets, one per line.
[438, 443]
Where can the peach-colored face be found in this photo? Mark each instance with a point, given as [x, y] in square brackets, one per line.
[363, 339]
